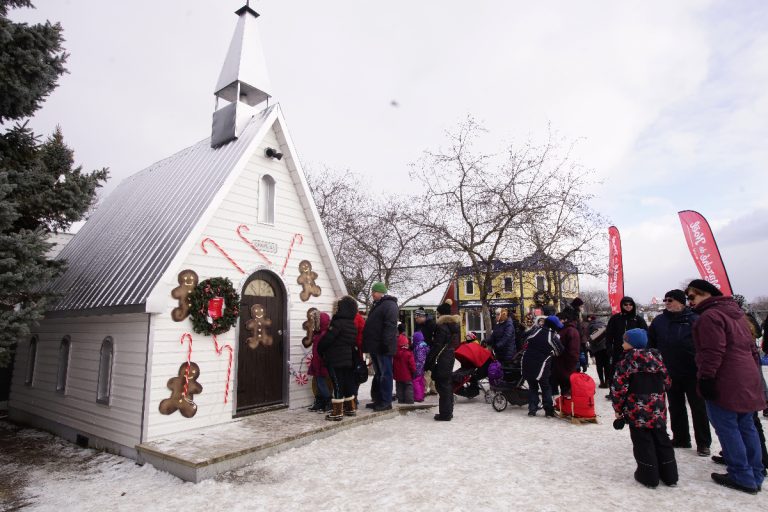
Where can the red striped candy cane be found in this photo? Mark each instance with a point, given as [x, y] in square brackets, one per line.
[219, 350]
[250, 244]
[187, 336]
[222, 251]
[298, 237]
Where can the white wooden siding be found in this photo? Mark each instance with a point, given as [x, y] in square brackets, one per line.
[120, 421]
[240, 206]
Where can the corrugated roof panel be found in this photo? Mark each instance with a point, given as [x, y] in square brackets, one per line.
[122, 251]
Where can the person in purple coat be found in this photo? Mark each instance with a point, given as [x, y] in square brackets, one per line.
[729, 381]
[420, 351]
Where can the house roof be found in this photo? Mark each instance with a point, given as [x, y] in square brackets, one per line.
[536, 261]
[120, 254]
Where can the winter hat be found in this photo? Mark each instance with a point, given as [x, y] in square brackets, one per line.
[638, 338]
[554, 322]
[678, 295]
[420, 312]
[400, 328]
[577, 303]
[444, 308]
[418, 337]
[380, 287]
[705, 286]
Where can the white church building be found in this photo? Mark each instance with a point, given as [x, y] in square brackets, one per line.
[235, 205]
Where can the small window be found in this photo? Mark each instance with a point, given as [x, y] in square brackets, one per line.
[31, 361]
[474, 320]
[267, 200]
[61, 377]
[508, 284]
[541, 284]
[259, 288]
[106, 357]
[469, 287]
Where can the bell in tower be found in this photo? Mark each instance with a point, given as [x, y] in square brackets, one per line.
[243, 82]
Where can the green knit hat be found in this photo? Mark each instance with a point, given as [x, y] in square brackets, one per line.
[380, 287]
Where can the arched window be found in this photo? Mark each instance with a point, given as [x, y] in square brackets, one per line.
[267, 199]
[61, 377]
[106, 358]
[31, 361]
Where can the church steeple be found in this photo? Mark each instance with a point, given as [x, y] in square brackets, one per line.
[243, 81]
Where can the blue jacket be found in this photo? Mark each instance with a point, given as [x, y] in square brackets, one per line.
[542, 345]
[672, 334]
[503, 340]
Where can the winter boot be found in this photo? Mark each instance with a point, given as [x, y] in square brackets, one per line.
[317, 406]
[337, 410]
[350, 408]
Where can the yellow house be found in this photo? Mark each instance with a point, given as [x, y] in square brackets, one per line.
[530, 286]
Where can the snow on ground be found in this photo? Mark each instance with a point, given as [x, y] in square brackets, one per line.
[482, 460]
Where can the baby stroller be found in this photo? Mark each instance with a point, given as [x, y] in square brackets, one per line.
[509, 386]
[474, 361]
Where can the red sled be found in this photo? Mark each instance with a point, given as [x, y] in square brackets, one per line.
[581, 403]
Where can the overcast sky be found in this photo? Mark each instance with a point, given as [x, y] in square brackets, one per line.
[668, 99]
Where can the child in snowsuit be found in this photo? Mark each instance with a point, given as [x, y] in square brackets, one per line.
[541, 346]
[420, 351]
[638, 391]
[404, 368]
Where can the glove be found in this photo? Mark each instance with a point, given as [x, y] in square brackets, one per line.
[619, 423]
[707, 389]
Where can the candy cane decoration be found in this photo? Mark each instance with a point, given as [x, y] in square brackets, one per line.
[187, 336]
[222, 251]
[250, 244]
[298, 237]
[219, 350]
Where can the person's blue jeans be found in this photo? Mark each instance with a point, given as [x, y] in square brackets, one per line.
[741, 444]
[382, 373]
[322, 388]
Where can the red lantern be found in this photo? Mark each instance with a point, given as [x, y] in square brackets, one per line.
[215, 307]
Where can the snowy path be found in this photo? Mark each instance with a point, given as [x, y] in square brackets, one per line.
[483, 460]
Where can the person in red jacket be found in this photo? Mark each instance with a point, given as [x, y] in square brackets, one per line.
[565, 364]
[404, 368]
[729, 381]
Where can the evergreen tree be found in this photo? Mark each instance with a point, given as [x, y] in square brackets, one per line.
[40, 190]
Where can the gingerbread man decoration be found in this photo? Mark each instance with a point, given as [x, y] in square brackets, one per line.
[187, 282]
[310, 325]
[258, 325]
[180, 400]
[307, 281]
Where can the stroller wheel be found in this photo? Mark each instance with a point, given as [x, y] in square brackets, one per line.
[499, 402]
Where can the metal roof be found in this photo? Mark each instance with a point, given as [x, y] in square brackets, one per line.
[119, 255]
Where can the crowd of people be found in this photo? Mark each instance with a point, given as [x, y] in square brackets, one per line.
[700, 354]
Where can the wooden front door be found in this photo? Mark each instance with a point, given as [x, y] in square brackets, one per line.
[261, 348]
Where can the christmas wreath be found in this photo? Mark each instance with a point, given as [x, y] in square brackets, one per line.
[214, 306]
[542, 297]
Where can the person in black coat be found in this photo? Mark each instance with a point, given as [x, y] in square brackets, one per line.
[502, 338]
[671, 333]
[541, 346]
[445, 341]
[424, 323]
[618, 324]
[338, 349]
[380, 341]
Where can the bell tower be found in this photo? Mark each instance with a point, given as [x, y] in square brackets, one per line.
[243, 82]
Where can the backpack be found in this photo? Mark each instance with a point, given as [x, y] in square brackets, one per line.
[495, 373]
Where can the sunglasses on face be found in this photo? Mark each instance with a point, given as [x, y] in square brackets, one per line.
[626, 303]
[669, 300]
